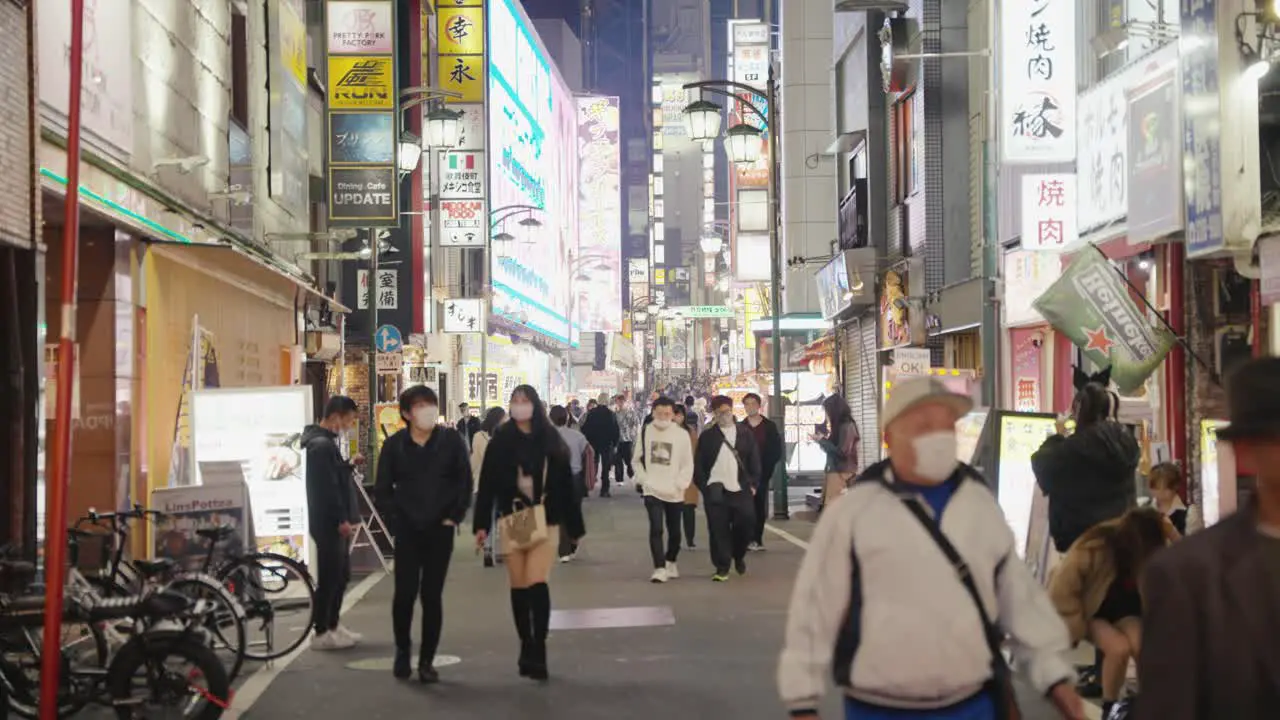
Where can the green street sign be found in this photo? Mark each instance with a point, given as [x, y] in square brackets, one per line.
[703, 311]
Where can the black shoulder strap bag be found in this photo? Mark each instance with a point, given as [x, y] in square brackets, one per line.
[1001, 684]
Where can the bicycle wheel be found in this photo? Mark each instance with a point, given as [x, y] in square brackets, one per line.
[84, 647]
[164, 671]
[227, 624]
[278, 597]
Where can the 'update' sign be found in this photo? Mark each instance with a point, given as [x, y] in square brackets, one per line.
[362, 196]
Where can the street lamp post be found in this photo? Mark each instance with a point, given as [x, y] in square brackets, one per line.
[702, 120]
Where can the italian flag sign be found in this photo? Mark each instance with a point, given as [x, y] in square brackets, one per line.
[1090, 304]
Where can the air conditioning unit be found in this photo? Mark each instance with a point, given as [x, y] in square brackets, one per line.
[322, 345]
[884, 6]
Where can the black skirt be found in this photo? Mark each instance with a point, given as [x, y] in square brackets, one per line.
[1122, 601]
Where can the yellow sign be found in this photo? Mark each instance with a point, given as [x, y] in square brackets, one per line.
[463, 74]
[361, 83]
[442, 5]
[293, 43]
[660, 276]
[460, 31]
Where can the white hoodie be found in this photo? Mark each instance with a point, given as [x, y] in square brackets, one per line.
[663, 461]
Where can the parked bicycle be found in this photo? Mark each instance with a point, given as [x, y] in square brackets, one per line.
[138, 681]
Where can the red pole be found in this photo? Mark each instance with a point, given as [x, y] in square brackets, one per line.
[1176, 374]
[59, 460]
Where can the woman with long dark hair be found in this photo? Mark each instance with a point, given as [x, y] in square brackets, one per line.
[527, 465]
[840, 443]
[1087, 474]
[1097, 592]
[689, 513]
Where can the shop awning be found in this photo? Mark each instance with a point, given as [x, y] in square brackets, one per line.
[251, 273]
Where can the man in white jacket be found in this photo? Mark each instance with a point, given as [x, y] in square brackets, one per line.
[911, 583]
[664, 469]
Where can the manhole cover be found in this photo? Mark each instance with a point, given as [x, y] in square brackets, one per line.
[383, 664]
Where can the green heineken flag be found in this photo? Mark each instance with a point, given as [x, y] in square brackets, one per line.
[1090, 304]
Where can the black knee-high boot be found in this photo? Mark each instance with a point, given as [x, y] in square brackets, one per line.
[523, 617]
[540, 602]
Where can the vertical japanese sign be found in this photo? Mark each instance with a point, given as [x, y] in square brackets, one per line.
[461, 40]
[1202, 131]
[287, 83]
[1038, 81]
[599, 298]
[361, 110]
[749, 44]
[1049, 211]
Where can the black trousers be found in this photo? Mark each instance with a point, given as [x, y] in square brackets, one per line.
[622, 458]
[422, 562]
[660, 512]
[761, 502]
[333, 567]
[604, 458]
[690, 515]
[568, 545]
[730, 522]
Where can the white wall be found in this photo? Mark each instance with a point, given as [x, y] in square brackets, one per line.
[809, 200]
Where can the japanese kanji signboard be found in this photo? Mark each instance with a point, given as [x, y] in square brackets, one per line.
[460, 36]
[1091, 306]
[1049, 211]
[462, 175]
[1038, 81]
[387, 290]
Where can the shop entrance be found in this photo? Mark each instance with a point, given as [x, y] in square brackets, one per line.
[19, 400]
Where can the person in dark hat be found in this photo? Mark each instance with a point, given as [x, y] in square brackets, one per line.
[1211, 615]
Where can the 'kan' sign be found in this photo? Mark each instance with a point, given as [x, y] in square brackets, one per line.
[1049, 211]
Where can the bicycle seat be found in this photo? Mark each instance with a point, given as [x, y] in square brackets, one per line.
[152, 568]
[216, 534]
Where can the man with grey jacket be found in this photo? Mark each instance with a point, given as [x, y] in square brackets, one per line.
[911, 582]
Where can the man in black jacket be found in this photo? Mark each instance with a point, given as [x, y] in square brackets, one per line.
[468, 424]
[332, 513]
[769, 442]
[727, 471]
[601, 428]
[424, 477]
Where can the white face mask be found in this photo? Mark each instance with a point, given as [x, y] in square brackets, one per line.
[426, 416]
[520, 412]
[662, 424]
[935, 455]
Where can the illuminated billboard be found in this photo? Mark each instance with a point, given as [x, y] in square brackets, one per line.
[597, 285]
[533, 161]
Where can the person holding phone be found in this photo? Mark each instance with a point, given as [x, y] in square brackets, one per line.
[841, 447]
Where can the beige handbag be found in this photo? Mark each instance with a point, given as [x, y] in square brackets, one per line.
[526, 528]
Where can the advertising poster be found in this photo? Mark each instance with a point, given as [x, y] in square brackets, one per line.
[1210, 480]
[1155, 159]
[188, 509]
[106, 110]
[894, 327]
[201, 372]
[1026, 368]
[598, 306]
[261, 429]
[533, 161]
[462, 223]
[1090, 304]
[1202, 130]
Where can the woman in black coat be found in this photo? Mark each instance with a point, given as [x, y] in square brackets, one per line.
[526, 464]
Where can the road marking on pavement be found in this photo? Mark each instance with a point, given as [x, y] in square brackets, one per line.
[384, 664]
[787, 536]
[1091, 711]
[257, 684]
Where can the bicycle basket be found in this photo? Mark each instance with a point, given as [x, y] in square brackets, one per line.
[90, 553]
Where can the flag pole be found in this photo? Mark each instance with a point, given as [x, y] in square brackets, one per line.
[59, 460]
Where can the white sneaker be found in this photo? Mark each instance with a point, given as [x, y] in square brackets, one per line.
[331, 641]
[672, 571]
[354, 636]
[658, 576]
[566, 558]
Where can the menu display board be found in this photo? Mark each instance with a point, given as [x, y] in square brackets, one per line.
[1004, 457]
[260, 428]
[1210, 486]
[197, 507]
[968, 433]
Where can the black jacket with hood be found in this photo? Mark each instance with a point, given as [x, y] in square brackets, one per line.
[1088, 478]
[601, 428]
[331, 493]
[424, 485]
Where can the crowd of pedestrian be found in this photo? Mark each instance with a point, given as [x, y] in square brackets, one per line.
[911, 595]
